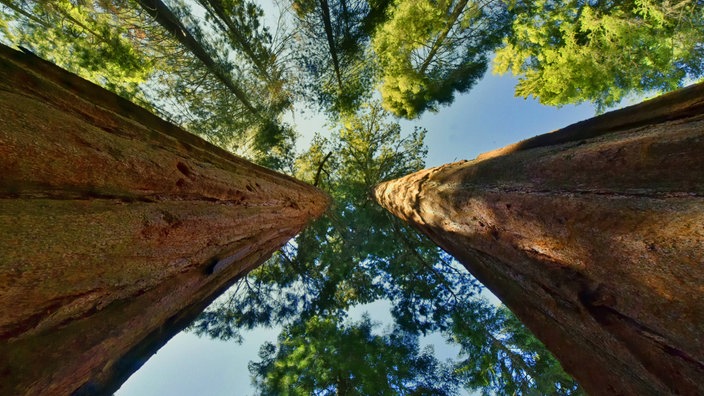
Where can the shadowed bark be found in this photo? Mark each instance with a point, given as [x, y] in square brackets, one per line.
[116, 229]
[593, 235]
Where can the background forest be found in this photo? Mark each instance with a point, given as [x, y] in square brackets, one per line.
[224, 70]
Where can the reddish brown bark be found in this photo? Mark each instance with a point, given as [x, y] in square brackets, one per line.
[593, 235]
[116, 229]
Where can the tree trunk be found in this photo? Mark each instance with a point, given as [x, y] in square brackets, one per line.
[216, 9]
[164, 17]
[116, 229]
[325, 14]
[439, 41]
[593, 235]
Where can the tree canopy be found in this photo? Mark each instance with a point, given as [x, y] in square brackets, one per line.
[573, 51]
[332, 55]
[217, 69]
[419, 53]
[428, 50]
[357, 254]
[91, 41]
[325, 357]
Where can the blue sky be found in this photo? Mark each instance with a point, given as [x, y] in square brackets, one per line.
[486, 118]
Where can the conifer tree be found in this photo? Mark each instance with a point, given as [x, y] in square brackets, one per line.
[573, 51]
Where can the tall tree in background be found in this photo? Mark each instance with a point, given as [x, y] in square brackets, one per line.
[429, 50]
[192, 36]
[216, 66]
[573, 51]
[332, 43]
[241, 22]
[357, 254]
[168, 64]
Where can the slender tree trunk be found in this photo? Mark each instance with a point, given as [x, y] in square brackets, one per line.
[164, 17]
[217, 11]
[593, 235]
[437, 44]
[14, 7]
[116, 229]
[327, 23]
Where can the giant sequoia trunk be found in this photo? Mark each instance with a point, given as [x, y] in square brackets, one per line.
[593, 235]
[116, 229]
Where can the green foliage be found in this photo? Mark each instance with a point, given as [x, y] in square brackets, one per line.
[572, 51]
[88, 38]
[428, 50]
[236, 91]
[241, 21]
[325, 357]
[332, 265]
[120, 46]
[357, 254]
[500, 356]
[219, 73]
[336, 72]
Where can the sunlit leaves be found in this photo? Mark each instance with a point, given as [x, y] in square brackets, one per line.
[429, 50]
[88, 38]
[572, 51]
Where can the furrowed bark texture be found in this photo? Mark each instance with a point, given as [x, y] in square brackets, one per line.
[116, 229]
[593, 235]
